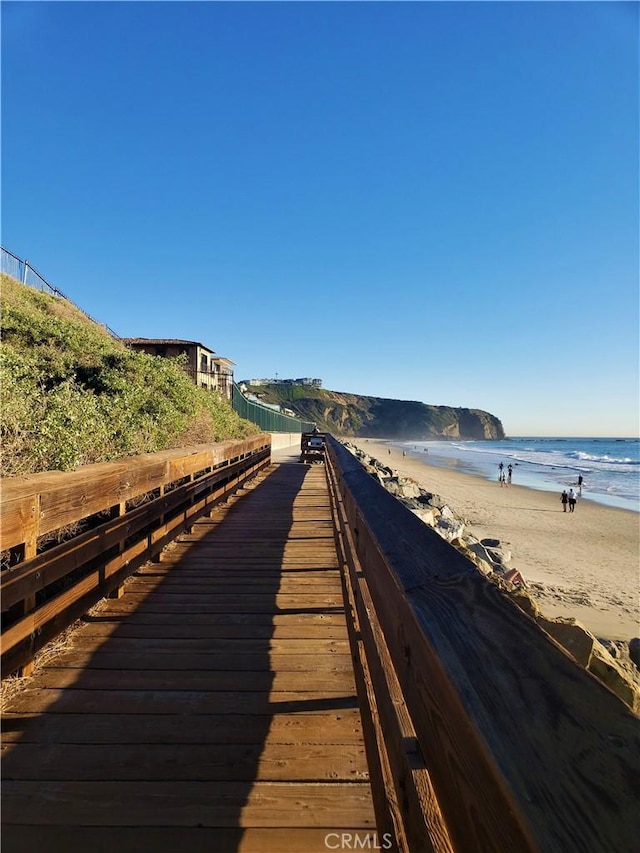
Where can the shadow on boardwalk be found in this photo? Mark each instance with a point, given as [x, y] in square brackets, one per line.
[211, 708]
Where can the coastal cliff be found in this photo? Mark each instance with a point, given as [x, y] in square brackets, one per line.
[377, 417]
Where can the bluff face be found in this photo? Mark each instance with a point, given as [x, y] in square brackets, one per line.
[377, 417]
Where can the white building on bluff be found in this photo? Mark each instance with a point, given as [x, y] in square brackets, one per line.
[316, 383]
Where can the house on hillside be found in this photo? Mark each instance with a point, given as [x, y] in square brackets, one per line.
[205, 368]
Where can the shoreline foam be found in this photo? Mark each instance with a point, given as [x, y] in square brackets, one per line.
[582, 565]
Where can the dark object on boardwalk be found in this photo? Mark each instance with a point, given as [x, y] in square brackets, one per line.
[312, 446]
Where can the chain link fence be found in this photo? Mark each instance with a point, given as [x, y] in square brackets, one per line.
[267, 419]
[22, 271]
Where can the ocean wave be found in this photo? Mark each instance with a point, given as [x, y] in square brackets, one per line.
[609, 460]
[578, 460]
[608, 476]
[522, 455]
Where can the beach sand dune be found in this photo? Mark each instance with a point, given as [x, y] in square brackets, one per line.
[584, 564]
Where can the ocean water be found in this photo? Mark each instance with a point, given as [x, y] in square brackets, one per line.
[610, 467]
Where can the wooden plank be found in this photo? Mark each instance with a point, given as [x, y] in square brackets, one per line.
[274, 603]
[157, 625]
[19, 521]
[265, 604]
[249, 552]
[188, 573]
[292, 586]
[323, 682]
[194, 562]
[130, 608]
[79, 839]
[203, 661]
[343, 726]
[83, 493]
[251, 602]
[211, 803]
[147, 702]
[246, 645]
[270, 762]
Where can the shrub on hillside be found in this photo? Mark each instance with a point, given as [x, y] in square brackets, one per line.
[72, 395]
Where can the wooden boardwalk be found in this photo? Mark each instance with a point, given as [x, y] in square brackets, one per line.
[210, 708]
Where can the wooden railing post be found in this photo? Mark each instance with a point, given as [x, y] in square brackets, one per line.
[118, 592]
[156, 556]
[30, 550]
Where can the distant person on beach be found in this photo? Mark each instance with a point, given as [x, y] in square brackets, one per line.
[580, 481]
[565, 500]
[572, 500]
[500, 471]
[509, 473]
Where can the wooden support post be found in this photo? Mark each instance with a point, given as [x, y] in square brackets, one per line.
[30, 550]
[189, 526]
[118, 592]
[157, 558]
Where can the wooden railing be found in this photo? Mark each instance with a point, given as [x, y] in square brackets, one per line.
[129, 509]
[483, 734]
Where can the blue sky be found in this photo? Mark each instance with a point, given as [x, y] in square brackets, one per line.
[433, 201]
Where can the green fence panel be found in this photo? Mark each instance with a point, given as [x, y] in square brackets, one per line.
[267, 419]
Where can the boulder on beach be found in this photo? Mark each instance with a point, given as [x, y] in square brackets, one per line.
[449, 528]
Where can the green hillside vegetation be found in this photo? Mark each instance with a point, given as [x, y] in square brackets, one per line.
[376, 417]
[71, 394]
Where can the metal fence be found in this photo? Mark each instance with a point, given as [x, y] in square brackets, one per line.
[267, 419]
[23, 271]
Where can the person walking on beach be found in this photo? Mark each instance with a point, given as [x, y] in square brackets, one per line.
[572, 500]
[509, 472]
[565, 500]
[500, 471]
[580, 481]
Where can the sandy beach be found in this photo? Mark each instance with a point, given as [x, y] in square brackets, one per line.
[584, 565]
